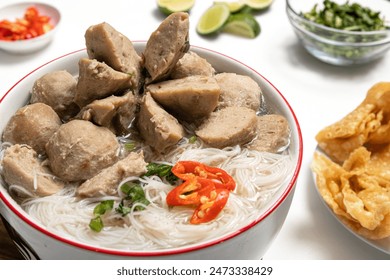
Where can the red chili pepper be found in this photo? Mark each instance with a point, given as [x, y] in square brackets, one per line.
[190, 192]
[189, 169]
[211, 207]
[204, 186]
[30, 26]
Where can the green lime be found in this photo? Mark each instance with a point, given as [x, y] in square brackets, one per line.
[213, 19]
[234, 6]
[258, 4]
[241, 24]
[171, 6]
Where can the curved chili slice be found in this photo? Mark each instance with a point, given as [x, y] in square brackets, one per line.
[210, 206]
[186, 170]
[189, 192]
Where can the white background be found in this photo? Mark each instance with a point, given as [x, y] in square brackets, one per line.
[319, 94]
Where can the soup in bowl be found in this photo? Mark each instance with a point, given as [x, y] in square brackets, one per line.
[219, 190]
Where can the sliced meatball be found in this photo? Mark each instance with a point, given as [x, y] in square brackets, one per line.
[158, 128]
[98, 80]
[106, 181]
[106, 44]
[113, 112]
[191, 64]
[166, 46]
[273, 134]
[56, 89]
[239, 91]
[22, 166]
[188, 98]
[79, 150]
[229, 126]
[33, 125]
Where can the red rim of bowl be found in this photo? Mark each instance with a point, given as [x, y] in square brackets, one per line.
[185, 249]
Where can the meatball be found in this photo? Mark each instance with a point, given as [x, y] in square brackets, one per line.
[23, 167]
[229, 126]
[238, 91]
[79, 150]
[56, 89]
[33, 125]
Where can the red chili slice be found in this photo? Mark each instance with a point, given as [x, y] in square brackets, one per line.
[190, 192]
[210, 208]
[190, 169]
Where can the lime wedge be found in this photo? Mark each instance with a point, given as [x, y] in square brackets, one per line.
[213, 19]
[234, 6]
[258, 4]
[241, 24]
[171, 6]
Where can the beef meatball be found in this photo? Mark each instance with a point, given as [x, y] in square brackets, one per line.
[33, 125]
[79, 150]
[56, 89]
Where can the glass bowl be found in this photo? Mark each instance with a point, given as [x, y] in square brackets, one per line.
[335, 46]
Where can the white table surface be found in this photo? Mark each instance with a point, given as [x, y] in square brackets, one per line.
[319, 94]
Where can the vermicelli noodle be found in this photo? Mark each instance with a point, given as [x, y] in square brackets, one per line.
[258, 176]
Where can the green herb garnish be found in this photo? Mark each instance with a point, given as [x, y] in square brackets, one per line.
[96, 224]
[162, 171]
[192, 139]
[130, 146]
[345, 17]
[134, 193]
[350, 17]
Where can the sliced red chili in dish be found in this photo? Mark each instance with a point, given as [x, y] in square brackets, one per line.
[210, 206]
[204, 186]
[31, 25]
[189, 169]
[189, 192]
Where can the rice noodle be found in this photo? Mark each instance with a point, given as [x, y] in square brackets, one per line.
[258, 176]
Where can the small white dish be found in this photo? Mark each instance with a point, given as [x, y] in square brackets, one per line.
[17, 10]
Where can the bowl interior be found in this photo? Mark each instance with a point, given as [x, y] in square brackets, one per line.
[19, 95]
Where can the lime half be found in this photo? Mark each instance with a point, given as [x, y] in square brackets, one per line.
[234, 6]
[242, 24]
[258, 4]
[171, 6]
[213, 19]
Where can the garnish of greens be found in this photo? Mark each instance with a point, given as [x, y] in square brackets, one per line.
[133, 195]
[345, 17]
[162, 171]
[96, 224]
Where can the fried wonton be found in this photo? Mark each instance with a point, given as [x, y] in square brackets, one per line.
[353, 172]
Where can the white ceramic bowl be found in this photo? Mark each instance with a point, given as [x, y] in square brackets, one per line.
[249, 242]
[17, 10]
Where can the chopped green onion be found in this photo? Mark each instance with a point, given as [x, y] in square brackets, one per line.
[130, 146]
[192, 139]
[134, 193]
[103, 207]
[96, 224]
[353, 17]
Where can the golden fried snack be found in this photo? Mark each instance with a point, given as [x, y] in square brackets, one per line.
[359, 196]
[369, 124]
[353, 174]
